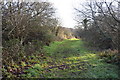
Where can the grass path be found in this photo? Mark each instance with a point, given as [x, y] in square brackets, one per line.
[70, 59]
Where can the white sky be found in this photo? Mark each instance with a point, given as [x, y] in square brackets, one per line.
[65, 11]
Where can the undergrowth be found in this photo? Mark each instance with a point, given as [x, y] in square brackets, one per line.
[65, 59]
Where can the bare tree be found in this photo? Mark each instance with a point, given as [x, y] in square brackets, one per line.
[103, 16]
[20, 17]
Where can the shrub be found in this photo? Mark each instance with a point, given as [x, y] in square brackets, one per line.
[109, 56]
[17, 56]
[12, 51]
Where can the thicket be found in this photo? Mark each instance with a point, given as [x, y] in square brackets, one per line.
[26, 28]
[100, 26]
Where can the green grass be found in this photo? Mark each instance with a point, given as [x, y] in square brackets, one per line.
[71, 59]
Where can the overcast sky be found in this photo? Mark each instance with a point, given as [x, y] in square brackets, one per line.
[65, 11]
